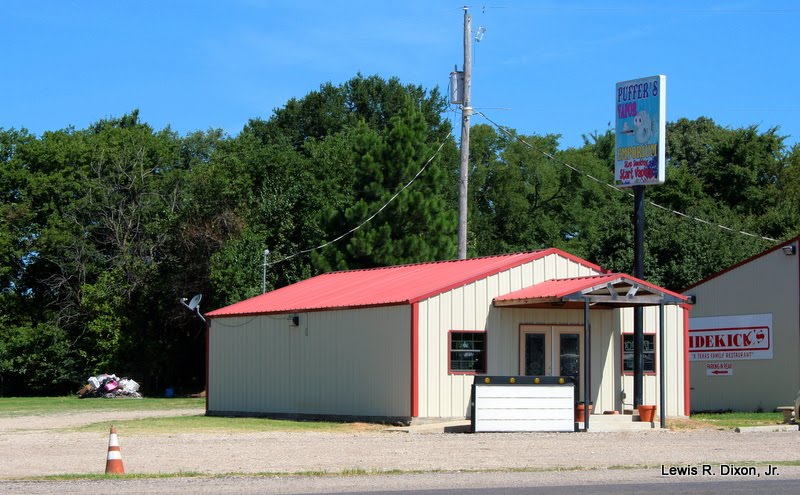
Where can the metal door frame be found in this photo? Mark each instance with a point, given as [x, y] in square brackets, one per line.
[552, 347]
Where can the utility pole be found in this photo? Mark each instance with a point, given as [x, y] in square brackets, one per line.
[466, 112]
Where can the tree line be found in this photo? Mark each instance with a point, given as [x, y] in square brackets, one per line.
[104, 229]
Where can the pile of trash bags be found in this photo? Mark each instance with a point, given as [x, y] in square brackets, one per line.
[110, 387]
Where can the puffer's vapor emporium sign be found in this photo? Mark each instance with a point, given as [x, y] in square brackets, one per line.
[730, 337]
[641, 131]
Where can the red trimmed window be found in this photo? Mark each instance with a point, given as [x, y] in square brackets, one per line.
[467, 352]
[649, 364]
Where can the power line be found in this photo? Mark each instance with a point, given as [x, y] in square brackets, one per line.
[623, 191]
[354, 229]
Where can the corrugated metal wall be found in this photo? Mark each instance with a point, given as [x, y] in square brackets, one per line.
[768, 284]
[348, 362]
[443, 395]
[674, 355]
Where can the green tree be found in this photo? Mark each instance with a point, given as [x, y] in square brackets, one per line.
[726, 177]
[419, 223]
[91, 216]
[524, 196]
[306, 171]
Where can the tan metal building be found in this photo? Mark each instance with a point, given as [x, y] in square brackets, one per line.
[745, 334]
[405, 343]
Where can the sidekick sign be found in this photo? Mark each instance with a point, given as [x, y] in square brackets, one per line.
[641, 129]
[738, 337]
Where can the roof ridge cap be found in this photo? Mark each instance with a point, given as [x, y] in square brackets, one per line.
[435, 262]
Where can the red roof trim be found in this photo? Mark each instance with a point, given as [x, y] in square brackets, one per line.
[744, 262]
[301, 310]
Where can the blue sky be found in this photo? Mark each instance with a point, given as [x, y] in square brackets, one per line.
[542, 66]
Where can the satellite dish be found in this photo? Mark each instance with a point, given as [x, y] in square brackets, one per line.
[195, 302]
[194, 305]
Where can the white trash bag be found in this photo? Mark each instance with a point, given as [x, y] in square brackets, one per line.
[129, 385]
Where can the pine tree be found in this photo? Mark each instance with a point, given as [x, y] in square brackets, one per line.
[420, 223]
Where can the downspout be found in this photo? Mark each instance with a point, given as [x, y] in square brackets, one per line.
[662, 379]
[587, 362]
[687, 384]
[208, 338]
[414, 360]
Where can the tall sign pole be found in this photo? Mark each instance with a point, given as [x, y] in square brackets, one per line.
[638, 311]
[466, 112]
[640, 156]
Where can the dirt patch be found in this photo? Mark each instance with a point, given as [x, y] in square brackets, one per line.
[683, 424]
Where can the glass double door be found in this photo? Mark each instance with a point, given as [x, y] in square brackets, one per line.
[551, 350]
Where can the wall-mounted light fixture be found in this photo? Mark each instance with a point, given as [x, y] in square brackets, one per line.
[295, 319]
[789, 250]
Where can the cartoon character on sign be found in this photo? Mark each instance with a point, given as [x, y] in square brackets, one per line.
[760, 336]
[644, 127]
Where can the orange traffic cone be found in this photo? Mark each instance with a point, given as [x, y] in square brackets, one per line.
[114, 459]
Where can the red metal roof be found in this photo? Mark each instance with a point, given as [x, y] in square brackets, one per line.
[558, 288]
[392, 285]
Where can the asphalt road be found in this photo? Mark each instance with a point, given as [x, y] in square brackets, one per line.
[595, 482]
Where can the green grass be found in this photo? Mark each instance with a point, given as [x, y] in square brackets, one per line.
[358, 472]
[740, 419]
[44, 406]
[16, 406]
[726, 420]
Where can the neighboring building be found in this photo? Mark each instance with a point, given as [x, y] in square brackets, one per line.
[745, 334]
[404, 343]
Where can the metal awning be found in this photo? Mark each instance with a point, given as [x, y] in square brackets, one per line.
[610, 290]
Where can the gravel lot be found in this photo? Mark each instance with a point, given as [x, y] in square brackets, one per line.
[40, 445]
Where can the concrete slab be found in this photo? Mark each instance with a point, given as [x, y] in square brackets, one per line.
[761, 429]
[611, 427]
[597, 423]
[457, 426]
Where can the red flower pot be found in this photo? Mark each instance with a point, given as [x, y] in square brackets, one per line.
[647, 413]
[580, 412]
